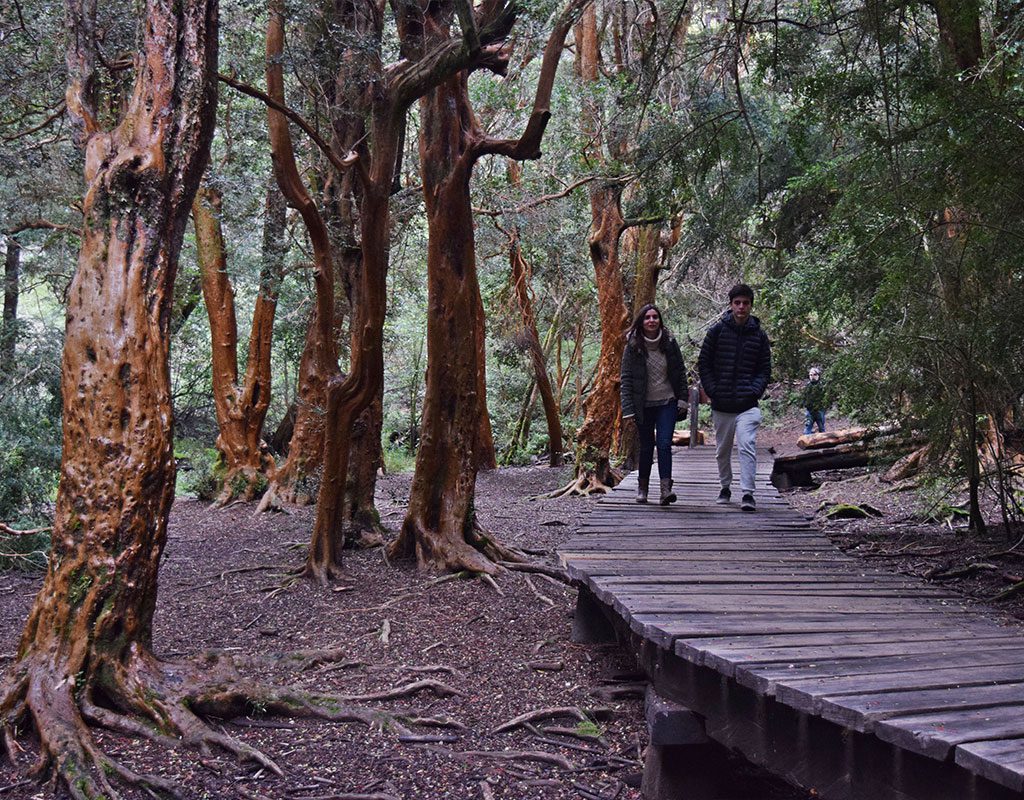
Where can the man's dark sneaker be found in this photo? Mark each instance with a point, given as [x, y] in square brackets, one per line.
[724, 496]
[747, 503]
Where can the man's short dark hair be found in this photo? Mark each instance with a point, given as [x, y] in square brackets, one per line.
[741, 290]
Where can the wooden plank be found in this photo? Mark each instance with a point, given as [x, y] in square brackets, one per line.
[764, 677]
[935, 735]
[804, 695]
[752, 587]
[860, 712]
[665, 629]
[669, 603]
[725, 659]
[1001, 761]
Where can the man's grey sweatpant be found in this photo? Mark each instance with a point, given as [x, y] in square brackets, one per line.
[743, 428]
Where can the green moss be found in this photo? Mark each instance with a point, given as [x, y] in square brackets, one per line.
[80, 582]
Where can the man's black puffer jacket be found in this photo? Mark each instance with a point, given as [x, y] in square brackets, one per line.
[735, 364]
[633, 375]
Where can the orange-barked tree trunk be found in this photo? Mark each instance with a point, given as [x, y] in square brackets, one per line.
[241, 407]
[424, 66]
[440, 528]
[84, 656]
[319, 361]
[348, 104]
[520, 275]
[597, 437]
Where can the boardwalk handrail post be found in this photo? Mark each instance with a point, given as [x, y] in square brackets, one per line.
[694, 408]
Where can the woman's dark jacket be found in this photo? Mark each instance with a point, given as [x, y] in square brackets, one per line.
[735, 364]
[633, 375]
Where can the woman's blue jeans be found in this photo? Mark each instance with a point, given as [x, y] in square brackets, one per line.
[656, 430]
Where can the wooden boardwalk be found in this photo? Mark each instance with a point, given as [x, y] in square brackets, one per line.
[836, 676]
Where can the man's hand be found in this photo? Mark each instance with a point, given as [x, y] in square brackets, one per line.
[682, 409]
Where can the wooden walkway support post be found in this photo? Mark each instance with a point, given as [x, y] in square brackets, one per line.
[694, 408]
[681, 762]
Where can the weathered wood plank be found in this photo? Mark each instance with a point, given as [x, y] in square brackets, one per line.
[860, 712]
[1001, 761]
[665, 629]
[725, 659]
[764, 677]
[935, 735]
[804, 695]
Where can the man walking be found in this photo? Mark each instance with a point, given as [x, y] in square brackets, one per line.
[735, 366]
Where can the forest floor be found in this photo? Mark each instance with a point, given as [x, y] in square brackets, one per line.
[920, 530]
[501, 651]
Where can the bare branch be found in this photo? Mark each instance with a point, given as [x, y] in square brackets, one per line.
[527, 146]
[340, 164]
[58, 112]
[537, 201]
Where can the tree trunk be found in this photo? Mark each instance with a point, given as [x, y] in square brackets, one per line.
[319, 362]
[520, 279]
[241, 409]
[440, 528]
[486, 456]
[349, 81]
[598, 435]
[12, 285]
[88, 634]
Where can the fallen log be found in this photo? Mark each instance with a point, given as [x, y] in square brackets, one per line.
[796, 469]
[815, 441]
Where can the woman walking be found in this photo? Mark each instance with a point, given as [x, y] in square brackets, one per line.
[653, 385]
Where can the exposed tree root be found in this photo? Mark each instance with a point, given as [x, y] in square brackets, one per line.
[474, 551]
[583, 485]
[552, 712]
[437, 687]
[1009, 591]
[166, 703]
[506, 755]
[557, 573]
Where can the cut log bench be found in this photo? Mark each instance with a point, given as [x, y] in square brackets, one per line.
[755, 632]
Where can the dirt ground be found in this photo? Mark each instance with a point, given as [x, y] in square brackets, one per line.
[459, 650]
[481, 656]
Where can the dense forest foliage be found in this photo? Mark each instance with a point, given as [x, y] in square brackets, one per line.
[316, 240]
[856, 163]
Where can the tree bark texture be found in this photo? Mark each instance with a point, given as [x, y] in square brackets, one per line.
[520, 278]
[427, 64]
[88, 633]
[241, 407]
[348, 74]
[319, 361]
[598, 435]
[12, 287]
[440, 527]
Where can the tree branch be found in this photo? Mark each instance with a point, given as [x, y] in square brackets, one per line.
[537, 201]
[340, 164]
[527, 146]
[58, 112]
[36, 225]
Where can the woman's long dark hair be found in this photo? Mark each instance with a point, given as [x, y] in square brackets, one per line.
[635, 337]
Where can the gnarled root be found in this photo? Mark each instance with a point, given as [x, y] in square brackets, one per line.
[583, 485]
[475, 551]
[160, 701]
